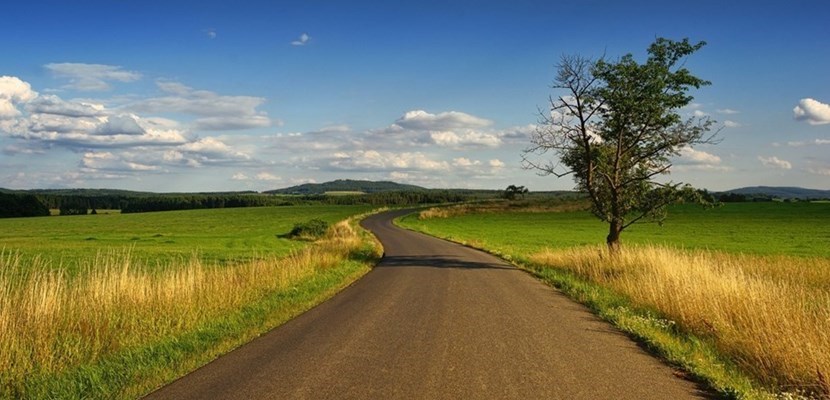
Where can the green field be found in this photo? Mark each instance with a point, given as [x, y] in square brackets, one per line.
[223, 235]
[801, 229]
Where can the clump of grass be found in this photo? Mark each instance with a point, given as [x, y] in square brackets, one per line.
[310, 230]
[52, 322]
[770, 314]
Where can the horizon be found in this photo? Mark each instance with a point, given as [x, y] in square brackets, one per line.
[266, 95]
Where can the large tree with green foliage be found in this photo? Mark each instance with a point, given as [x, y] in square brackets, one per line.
[615, 126]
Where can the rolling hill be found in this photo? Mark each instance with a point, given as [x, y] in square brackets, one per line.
[347, 185]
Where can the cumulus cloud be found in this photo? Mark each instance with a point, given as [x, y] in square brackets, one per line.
[422, 120]
[464, 139]
[217, 112]
[302, 40]
[447, 129]
[496, 163]
[690, 155]
[51, 104]
[731, 124]
[727, 111]
[775, 162]
[371, 160]
[107, 161]
[465, 162]
[91, 77]
[697, 160]
[13, 91]
[812, 111]
[212, 151]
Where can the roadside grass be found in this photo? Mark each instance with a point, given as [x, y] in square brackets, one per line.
[119, 329]
[753, 321]
[224, 236]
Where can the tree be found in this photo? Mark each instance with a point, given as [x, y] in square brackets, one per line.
[512, 191]
[615, 128]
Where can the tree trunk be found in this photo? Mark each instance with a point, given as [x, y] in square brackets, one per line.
[613, 239]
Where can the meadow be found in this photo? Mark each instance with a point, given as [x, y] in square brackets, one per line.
[116, 321]
[738, 296]
[224, 235]
[770, 228]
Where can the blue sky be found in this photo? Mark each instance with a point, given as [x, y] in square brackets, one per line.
[206, 96]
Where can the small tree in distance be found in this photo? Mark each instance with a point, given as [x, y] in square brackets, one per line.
[615, 129]
[512, 191]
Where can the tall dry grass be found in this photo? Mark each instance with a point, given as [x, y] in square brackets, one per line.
[50, 321]
[770, 314]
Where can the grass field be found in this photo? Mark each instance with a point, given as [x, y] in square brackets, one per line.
[739, 296]
[115, 325]
[799, 229]
[220, 235]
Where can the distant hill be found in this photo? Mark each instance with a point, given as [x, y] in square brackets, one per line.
[347, 185]
[782, 192]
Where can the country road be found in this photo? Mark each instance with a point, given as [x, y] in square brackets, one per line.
[436, 320]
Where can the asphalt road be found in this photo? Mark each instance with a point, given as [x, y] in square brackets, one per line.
[435, 320]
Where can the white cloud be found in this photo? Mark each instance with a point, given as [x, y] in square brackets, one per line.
[464, 139]
[302, 40]
[212, 150]
[692, 156]
[210, 33]
[465, 162]
[699, 113]
[14, 91]
[91, 77]
[496, 163]
[422, 120]
[239, 176]
[120, 125]
[727, 111]
[812, 111]
[447, 129]
[218, 112]
[371, 160]
[731, 124]
[107, 161]
[698, 160]
[775, 162]
[51, 104]
[265, 176]
[231, 123]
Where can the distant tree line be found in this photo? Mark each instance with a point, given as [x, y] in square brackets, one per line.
[21, 205]
[72, 203]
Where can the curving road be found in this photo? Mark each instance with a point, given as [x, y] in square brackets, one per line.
[436, 320]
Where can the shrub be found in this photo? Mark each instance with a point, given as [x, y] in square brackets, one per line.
[310, 230]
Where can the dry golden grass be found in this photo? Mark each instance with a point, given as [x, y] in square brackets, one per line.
[50, 321]
[770, 314]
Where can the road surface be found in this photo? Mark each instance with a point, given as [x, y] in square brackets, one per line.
[436, 320]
